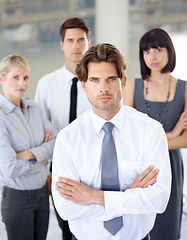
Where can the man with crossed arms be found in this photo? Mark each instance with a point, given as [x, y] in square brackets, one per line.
[78, 161]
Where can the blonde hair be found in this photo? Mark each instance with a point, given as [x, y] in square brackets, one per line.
[13, 60]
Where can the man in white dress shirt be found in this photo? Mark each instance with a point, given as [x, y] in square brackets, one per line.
[140, 143]
[53, 90]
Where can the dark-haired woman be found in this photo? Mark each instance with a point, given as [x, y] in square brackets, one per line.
[164, 98]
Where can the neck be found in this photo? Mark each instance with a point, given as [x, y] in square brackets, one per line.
[106, 114]
[71, 67]
[159, 77]
[15, 101]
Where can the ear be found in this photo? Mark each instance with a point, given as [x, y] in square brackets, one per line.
[89, 43]
[1, 79]
[83, 84]
[124, 80]
[62, 45]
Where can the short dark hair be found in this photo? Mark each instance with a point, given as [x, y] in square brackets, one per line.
[155, 38]
[75, 23]
[104, 52]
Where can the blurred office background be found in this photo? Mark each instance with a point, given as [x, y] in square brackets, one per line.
[31, 28]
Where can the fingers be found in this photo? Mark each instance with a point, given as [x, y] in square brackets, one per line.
[183, 116]
[146, 178]
[145, 173]
[150, 179]
[44, 162]
[48, 135]
[66, 187]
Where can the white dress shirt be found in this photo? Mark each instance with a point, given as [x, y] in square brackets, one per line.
[21, 131]
[53, 95]
[140, 142]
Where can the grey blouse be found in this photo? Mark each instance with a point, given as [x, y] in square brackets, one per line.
[23, 131]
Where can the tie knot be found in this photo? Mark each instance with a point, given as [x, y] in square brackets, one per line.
[75, 80]
[108, 127]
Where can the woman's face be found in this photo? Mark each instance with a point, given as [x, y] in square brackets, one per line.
[156, 58]
[15, 83]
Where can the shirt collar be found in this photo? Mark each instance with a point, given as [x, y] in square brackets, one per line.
[8, 106]
[117, 120]
[68, 75]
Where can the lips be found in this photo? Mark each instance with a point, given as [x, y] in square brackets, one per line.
[154, 64]
[21, 90]
[104, 97]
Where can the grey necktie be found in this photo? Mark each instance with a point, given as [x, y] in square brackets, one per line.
[109, 173]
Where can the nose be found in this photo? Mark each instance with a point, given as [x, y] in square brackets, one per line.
[153, 55]
[76, 44]
[22, 82]
[104, 87]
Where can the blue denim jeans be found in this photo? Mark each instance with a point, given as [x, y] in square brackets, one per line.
[25, 213]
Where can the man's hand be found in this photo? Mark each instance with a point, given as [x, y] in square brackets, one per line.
[146, 178]
[84, 195]
[79, 192]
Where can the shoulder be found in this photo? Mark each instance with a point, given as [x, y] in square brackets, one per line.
[130, 84]
[50, 77]
[135, 114]
[128, 92]
[78, 127]
[141, 119]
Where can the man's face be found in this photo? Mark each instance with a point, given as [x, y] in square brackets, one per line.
[75, 44]
[104, 88]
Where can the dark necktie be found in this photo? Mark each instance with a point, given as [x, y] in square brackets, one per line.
[73, 100]
[109, 173]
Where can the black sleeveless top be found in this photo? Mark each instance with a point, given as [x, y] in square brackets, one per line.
[168, 224]
[166, 113]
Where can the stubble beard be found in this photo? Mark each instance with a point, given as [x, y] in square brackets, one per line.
[105, 105]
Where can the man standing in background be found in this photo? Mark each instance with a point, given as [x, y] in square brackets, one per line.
[59, 93]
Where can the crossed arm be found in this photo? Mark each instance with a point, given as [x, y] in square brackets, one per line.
[84, 195]
[177, 137]
[27, 154]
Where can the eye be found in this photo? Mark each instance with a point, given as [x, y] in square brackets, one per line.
[111, 79]
[94, 80]
[70, 40]
[15, 77]
[159, 50]
[81, 40]
[146, 52]
[26, 78]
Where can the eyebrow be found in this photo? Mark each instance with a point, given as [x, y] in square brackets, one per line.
[90, 78]
[113, 76]
[71, 38]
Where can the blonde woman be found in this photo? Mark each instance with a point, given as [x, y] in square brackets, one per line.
[26, 144]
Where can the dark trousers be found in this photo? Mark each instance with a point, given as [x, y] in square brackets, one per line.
[25, 213]
[66, 234]
[145, 238]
